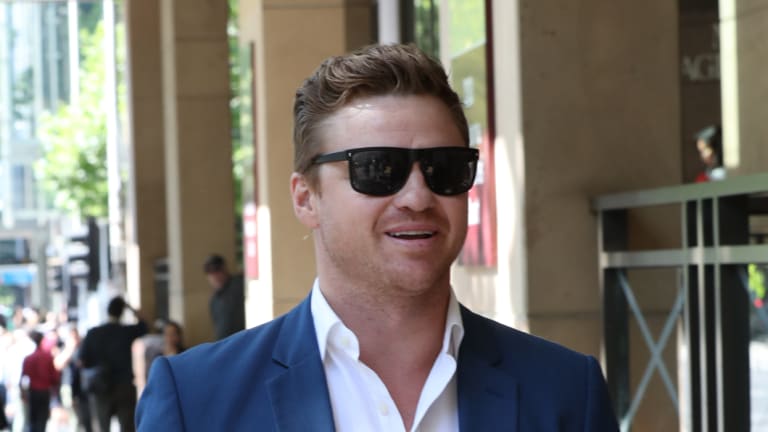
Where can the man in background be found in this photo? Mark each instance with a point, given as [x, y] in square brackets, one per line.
[38, 378]
[4, 336]
[227, 304]
[109, 346]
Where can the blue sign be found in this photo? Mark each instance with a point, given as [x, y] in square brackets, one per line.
[16, 277]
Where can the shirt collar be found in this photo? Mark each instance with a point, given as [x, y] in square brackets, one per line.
[454, 329]
[325, 319]
[323, 316]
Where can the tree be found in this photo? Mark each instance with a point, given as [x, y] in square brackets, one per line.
[241, 105]
[74, 168]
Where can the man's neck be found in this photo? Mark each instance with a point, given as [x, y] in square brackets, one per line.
[399, 336]
[377, 314]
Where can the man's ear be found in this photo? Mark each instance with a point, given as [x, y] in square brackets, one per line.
[303, 197]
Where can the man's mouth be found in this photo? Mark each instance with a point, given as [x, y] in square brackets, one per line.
[412, 235]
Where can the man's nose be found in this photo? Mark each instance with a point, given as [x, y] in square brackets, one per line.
[415, 194]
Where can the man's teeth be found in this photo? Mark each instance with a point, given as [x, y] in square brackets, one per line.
[412, 234]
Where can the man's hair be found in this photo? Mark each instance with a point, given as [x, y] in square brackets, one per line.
[376, 70]
[116, 307]
[214, 263]
[36, 337]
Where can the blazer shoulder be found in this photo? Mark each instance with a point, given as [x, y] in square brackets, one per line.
[214, 383]
[554, 383]
[513, 343]
[256, 344]
[532, 360]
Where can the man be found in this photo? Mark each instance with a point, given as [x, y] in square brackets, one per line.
[382, 170]
[4, 354]
[227, 304]
[709, 143]
[39, 378]
[144, 350]
[109, 347]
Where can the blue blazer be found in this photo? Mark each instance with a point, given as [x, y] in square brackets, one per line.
[271, 378]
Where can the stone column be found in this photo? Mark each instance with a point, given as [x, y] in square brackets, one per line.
[198, 152]
[146, 234]
[743, 56]
[599, 98]
[290, 39]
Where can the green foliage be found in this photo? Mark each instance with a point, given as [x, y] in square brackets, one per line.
[23, 95]
[241, 149]
[757, 281]
[90, 15]
[239, 145]
[426, 25]
[467, 25]
[74, 168]
[7, 296]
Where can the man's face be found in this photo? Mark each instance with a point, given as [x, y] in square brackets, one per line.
[216, 279]
[706, 153]
[406, 240]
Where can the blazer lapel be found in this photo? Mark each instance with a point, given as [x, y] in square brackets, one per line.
[487, 395]
[299, 396]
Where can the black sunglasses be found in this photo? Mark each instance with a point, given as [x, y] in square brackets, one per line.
[382, 171]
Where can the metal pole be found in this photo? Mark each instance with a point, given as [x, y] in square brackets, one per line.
[6, 107]
[74, 52]
[110, 101]
[389, 21]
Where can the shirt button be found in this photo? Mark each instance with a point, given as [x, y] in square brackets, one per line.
[383, 409]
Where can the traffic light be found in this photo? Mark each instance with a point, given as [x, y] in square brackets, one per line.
[85, 265]
[55, 275]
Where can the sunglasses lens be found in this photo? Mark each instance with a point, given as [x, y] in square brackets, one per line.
[384, 171]
[379, 172]
[449, 171]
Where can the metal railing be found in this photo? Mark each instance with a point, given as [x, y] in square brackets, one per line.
[711, 300]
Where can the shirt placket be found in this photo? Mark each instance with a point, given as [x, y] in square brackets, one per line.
[379, 399]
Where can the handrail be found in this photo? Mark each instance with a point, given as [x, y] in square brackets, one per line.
[737, 185]
[745, 254]
[712, 299]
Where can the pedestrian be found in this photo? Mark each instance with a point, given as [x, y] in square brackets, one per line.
[144, 351]
[39, 378]
[173, 339]
[227, 303]
[107, 350]
[709, 144]
[18, 346]
[68, 361]
[5, 343]
[381, 172]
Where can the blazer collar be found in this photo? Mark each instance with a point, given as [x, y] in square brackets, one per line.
[300, 394]
[487, 395]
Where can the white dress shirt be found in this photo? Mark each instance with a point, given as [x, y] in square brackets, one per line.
[359, 399]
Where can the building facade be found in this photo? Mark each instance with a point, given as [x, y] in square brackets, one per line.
[568, 101]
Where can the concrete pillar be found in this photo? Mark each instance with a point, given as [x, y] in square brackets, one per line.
[599, 98]
[743, 56]
[198, 152]
[146, 234]
[290, 39]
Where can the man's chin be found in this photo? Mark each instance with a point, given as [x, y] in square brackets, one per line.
[416, 280]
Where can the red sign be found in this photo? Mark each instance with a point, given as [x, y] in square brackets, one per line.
[250, 239]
